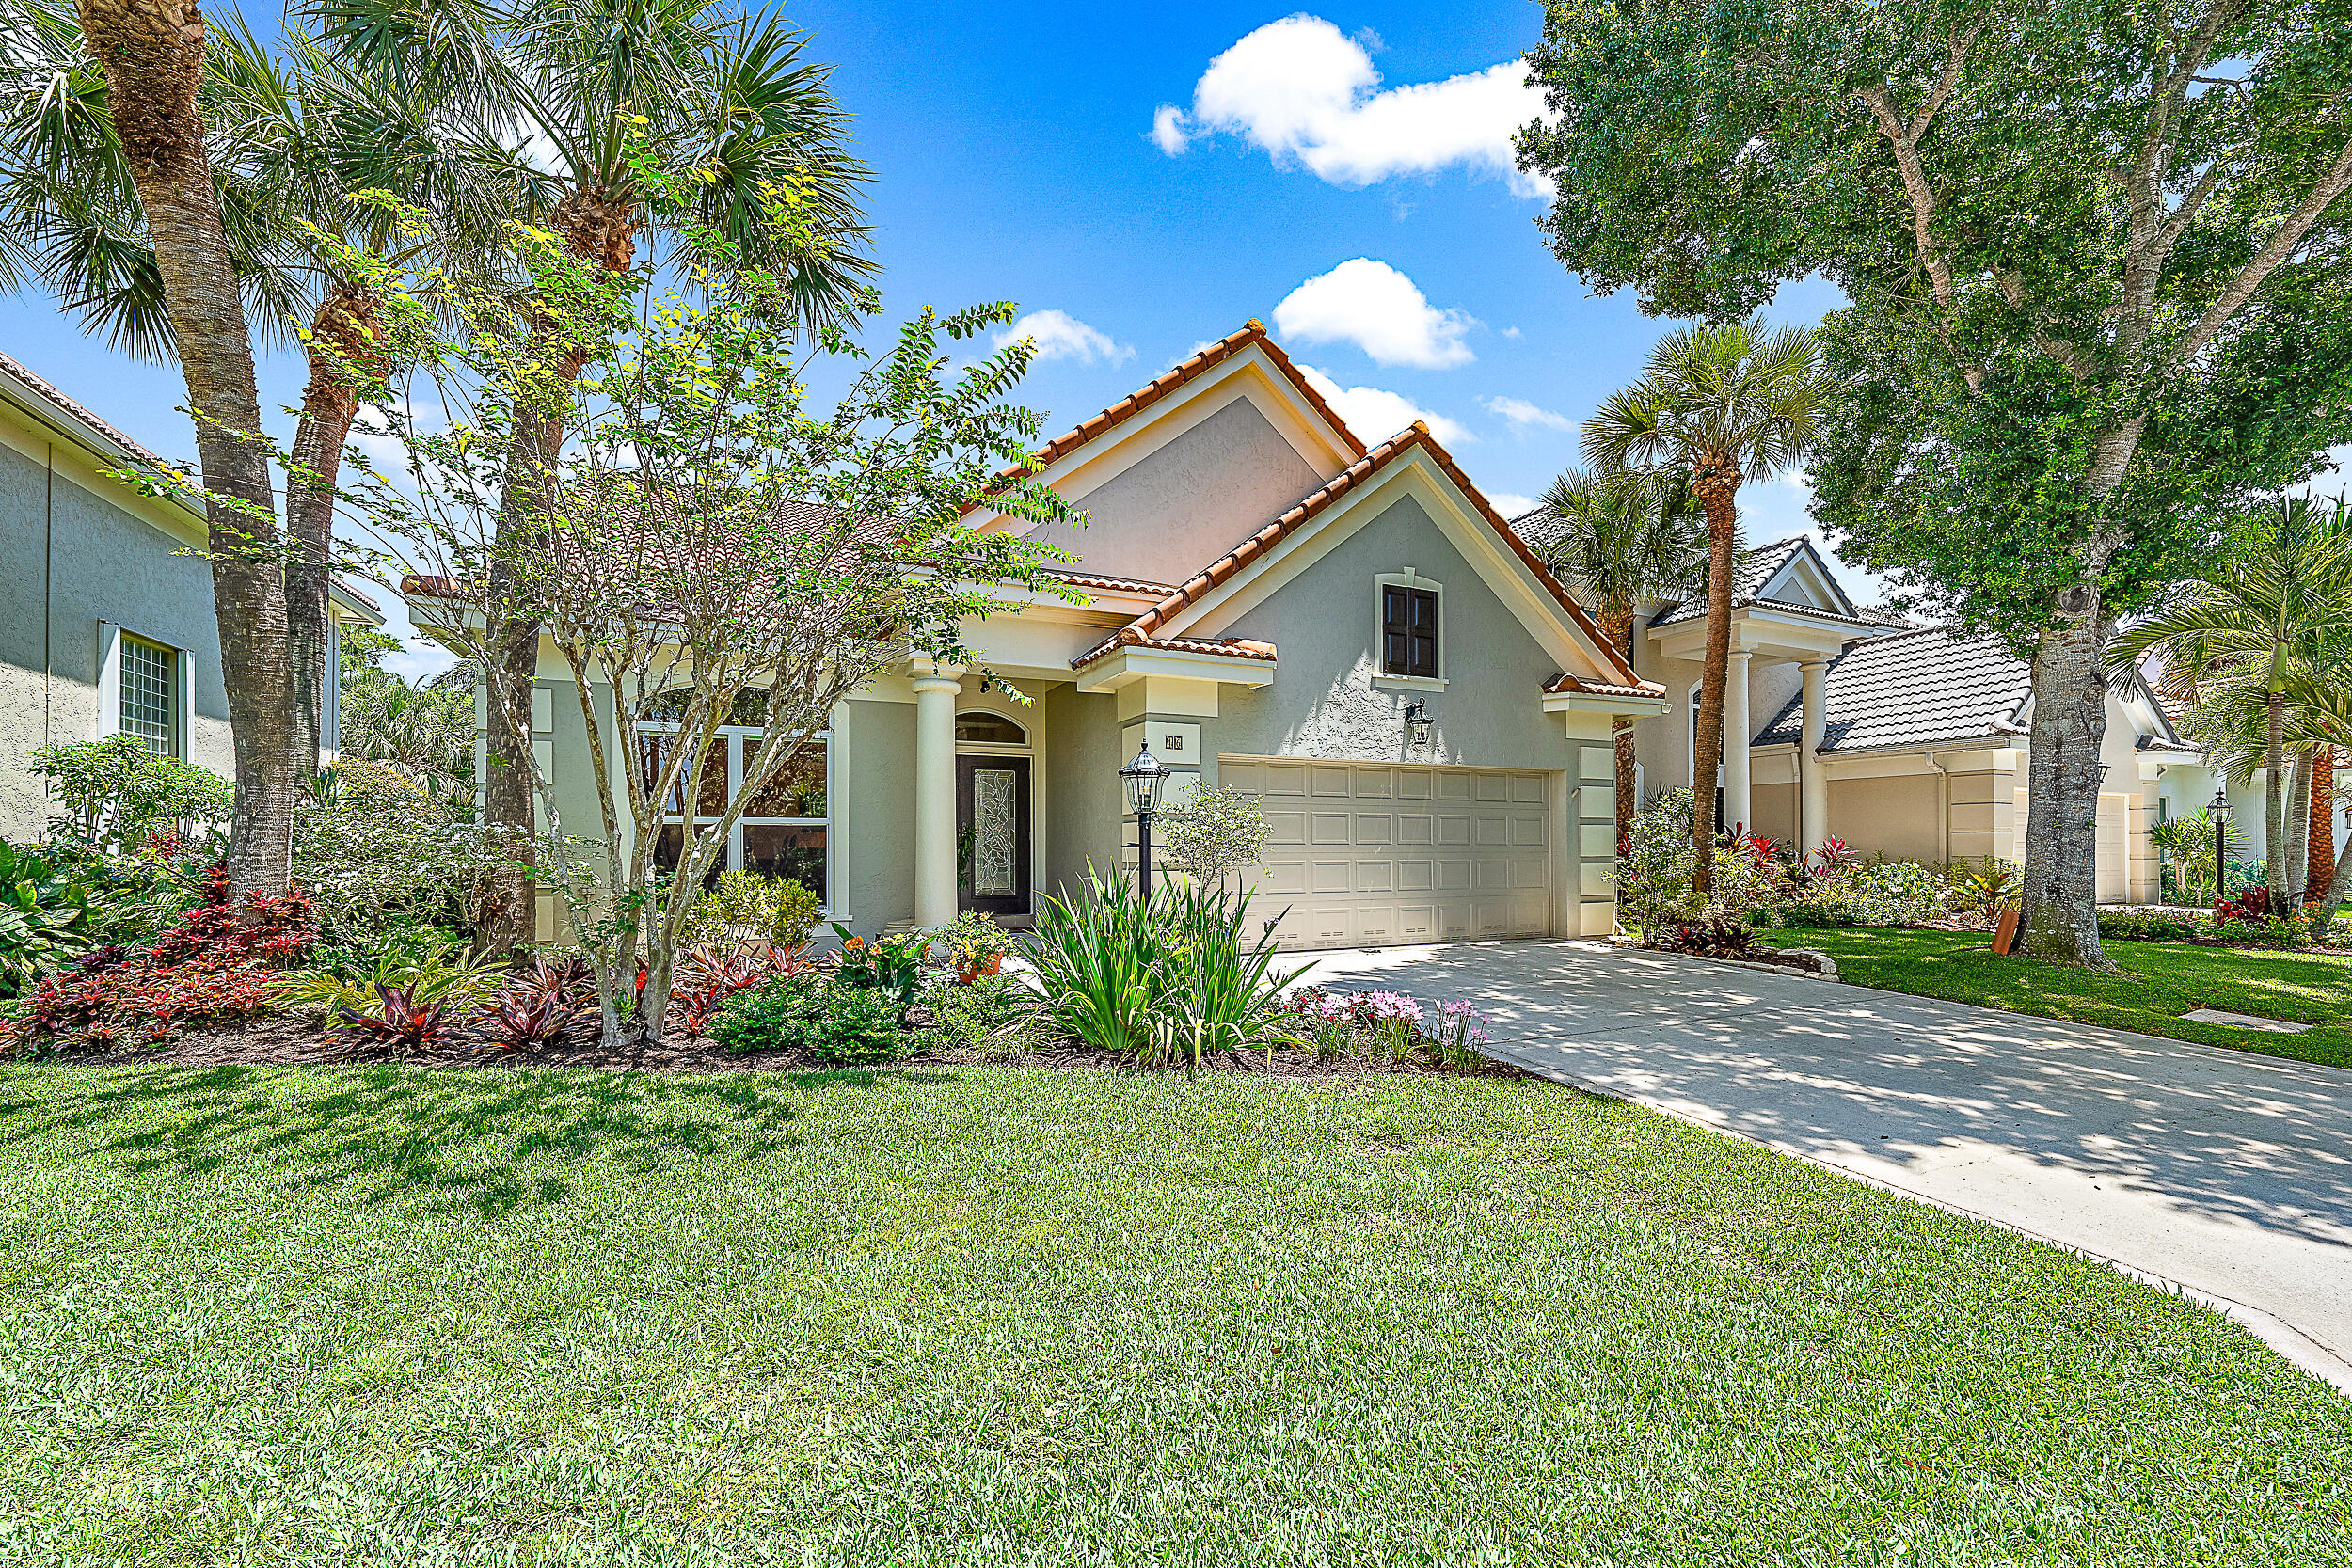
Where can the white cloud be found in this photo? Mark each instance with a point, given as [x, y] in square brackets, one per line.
[1523, 414]
[1304, 91]
[1377, 308]
[1167, 130]
[1510, 505]
[1061, 336]
[1375, 414]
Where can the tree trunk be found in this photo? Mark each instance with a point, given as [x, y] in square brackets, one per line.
[599, 227]
[1616, 624]
[2338, 883]
[2274, 798]
[2299, 822]
[2319, 863]
[152, 55]
[1715, 483]
[343, 343]
[2070, 714]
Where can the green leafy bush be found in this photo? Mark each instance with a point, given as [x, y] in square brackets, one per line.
[1654, 862]
[830, 1021]
[423, 965]
[1898, 893]
[118, 792]
[775, 909]
[993, 1013]
[1817, 912]
[1166, 983]
[48, 915]
[2150, 925]
[1214, 832]
[375, 849]
[891, 964]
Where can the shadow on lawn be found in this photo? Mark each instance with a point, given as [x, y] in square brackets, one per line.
[478, 1140]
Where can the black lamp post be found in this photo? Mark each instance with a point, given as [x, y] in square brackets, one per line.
[2220, 841]
[1144, 777]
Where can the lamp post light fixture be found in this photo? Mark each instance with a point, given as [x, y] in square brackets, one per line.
[2220, 841]
[1418, 720]
[1145, 777]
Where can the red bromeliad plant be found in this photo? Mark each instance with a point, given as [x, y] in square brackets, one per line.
[711, 973]
[401, 1022]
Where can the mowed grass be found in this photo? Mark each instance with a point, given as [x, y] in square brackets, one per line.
[999, 1316]
[2159, 981]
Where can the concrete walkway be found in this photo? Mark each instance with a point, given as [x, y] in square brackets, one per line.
[2220, 1173]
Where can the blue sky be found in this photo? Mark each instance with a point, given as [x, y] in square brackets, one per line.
[1153, 178]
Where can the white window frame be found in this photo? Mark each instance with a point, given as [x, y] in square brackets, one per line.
[108, 719]
[742, 739]
[1406, 579]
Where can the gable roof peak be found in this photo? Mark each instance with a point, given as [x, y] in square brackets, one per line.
[1252, 333]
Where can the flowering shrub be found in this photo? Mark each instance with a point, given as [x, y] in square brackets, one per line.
[373, 846]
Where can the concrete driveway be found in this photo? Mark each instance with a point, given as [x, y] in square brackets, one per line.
[2225, 1175]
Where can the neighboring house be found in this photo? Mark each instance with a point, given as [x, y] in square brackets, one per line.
[1901, 740]
[1351, 634]
[105, 610]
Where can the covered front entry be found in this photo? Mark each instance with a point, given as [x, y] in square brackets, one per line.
[1375, 854]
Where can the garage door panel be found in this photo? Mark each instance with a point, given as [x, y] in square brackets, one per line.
[1374, 854]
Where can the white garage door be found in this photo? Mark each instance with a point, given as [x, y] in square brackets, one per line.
[1365, 855]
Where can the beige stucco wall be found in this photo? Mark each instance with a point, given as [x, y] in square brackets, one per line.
[1891, 817]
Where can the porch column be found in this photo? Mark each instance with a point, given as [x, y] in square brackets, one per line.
[1812, 779]
[1739, 809]
[936, 688]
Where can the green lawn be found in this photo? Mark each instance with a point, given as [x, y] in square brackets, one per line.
[996, 1316]
[2160, 981]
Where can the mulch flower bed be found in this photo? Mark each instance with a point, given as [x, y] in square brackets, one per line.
[275, 1041]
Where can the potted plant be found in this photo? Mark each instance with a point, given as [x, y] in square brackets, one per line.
[975, 945]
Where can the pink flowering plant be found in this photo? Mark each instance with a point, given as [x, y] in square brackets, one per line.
[1386, 1026]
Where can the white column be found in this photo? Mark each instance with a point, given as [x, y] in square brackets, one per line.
[1812, 779]
[936, 688]
[1738, 807]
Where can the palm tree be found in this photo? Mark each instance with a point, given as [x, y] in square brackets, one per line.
[578, 97]
[2271, 612]
[292, 139]
[141, 82]
[1717, 405]
[1623, 537]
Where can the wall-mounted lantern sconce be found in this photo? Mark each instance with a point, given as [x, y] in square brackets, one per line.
[1417, 719]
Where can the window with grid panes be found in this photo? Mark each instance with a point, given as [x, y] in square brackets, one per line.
[150, 705]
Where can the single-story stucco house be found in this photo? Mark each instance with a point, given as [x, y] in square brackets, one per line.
[1902, 741]
[1352, 634]
[106, 622]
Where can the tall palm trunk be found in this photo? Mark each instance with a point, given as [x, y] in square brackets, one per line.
[2298, 817]
[1616, 624]
[2275, 793]
[152, 55]
[2319, 863]
[1715, 483]
[343, 341]
[599, 227]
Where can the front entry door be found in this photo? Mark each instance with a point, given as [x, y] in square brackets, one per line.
[993, 834]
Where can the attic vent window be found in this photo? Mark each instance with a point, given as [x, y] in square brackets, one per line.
[1408, 631]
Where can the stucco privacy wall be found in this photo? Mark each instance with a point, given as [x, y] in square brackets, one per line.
[73, 558]
[1149, 521]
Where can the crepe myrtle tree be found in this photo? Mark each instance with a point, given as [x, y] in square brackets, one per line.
[712, 546]
[2096, 255]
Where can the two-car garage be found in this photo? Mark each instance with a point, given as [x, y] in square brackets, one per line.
[1375, 854]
